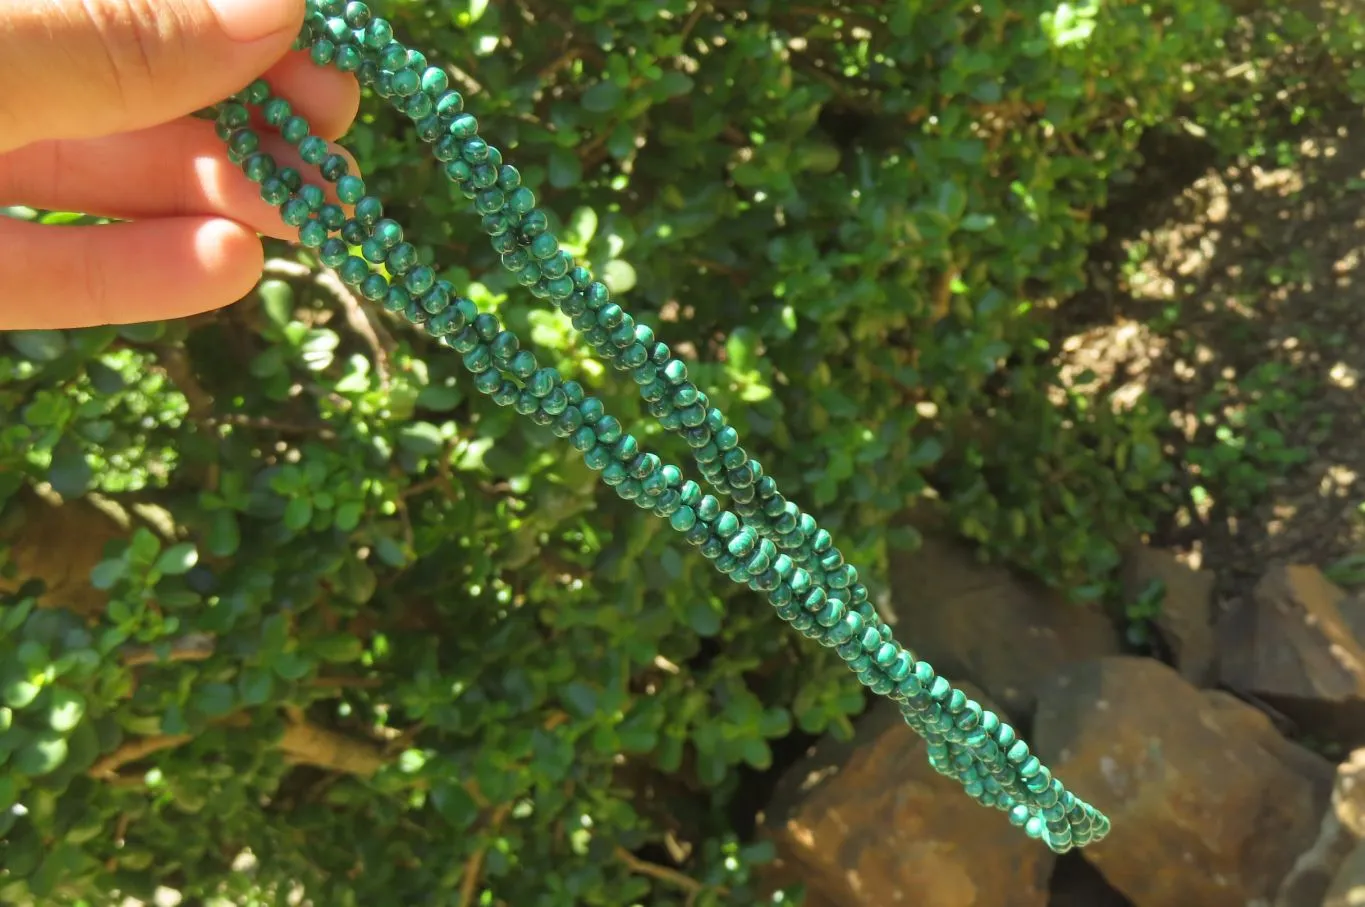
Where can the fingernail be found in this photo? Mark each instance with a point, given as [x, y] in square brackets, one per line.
[252, 20]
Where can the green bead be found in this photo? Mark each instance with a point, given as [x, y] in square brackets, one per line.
[437, 299]
[337, 28]
[374, 288]
[350, 189]
[333, 168]
[378, 34]
[434, 80]
[295, 212]
[542, 381]
[459, 171]
[396, 299]
[406, 83]
[464, 126]
[522, 200]
[256, 93]
[294, 130]
[419, 279]
[487, 326]
[683, 519]
[479, 359]
[348, 59]
[314, 150]
[233, 114]
[523, 364]
[608, 429]
[312, 234]
[368, 210]
[274, 191]
[323, 52]
[388, 233]
[490, 201]
[357, 14]
[258, 166]
[353, 270]
[402, 258]
[333, 253]
[475, 150]
[372, 251]
[449, 104]
[244, 142]
[276, 111]
[314, 196]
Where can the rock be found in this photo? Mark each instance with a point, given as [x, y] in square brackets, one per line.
[1186, 619]
[58, 543]
[870, 824]
[1292, 647]
[987, 625]
[1339, 834]
[1210, 806]
[1348, 888]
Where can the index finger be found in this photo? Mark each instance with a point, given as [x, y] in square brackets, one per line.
[326, 98]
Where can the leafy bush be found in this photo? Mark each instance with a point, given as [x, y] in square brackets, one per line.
[349, 627]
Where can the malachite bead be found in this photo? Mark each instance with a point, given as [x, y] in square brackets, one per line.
[434, 80]
[347, 59]
[258, 166]
[419, 279]
[312, 234]
[475, 150]
[372, 251]
[294, 130]
[295, 212]
[354, 232]
[396, 299]
[274, 191]
[830, 607]
[378, 34]
[374, 287]
[350, 189]
[368, 210]
[357, 15]
[402, 258]
[323, 52]
[463, 126]
[333, 168]
[353, 270]
[406, 82]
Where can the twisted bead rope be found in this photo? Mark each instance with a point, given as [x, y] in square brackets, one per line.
[764, 540]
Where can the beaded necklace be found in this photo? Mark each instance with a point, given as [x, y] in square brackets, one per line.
[763, 540]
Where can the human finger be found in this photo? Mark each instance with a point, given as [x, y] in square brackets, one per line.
[68, 277]
[80, 68]
[180, 168]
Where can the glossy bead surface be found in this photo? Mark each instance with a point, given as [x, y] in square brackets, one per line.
[763, 541]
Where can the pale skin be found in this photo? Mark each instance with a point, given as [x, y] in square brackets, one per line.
[95, 97]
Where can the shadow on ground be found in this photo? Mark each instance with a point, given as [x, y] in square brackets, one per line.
[1239, 303]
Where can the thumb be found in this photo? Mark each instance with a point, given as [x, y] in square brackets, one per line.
[85, 68]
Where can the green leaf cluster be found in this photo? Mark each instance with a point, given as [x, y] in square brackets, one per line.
[360, 632]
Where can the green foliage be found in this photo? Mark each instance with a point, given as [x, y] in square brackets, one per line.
[363, 633]
[1248, 448]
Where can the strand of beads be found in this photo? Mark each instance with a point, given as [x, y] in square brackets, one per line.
[766, 542]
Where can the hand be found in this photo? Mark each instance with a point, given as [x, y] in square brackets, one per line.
[95, 97]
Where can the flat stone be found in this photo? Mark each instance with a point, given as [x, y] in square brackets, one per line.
[870, 824]
[1210, 805]
[989, 625]
[1348, 887]
[1186, 619]
[1292, 646]
[1339, 834]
